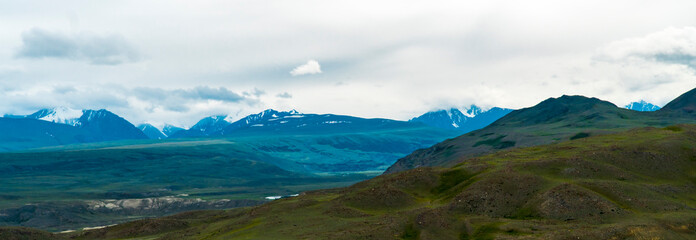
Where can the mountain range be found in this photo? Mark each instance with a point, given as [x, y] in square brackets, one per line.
[92, 126]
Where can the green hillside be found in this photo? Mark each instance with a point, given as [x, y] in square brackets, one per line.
[640, 184]
[553, 120]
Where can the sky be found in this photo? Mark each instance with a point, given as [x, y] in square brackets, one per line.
[179, 61]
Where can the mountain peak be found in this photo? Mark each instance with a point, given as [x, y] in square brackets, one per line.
[576, 100]
[553, 109]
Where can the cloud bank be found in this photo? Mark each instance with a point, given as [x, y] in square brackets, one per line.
[99, 50]
[180, 100]
[392, 59]
[672, 45]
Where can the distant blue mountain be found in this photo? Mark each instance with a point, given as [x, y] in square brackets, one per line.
[471, 119]
[170, 130]
[107, 126]
[642, 106]
[205, 127]
[151, 132]
[59, 126]
[292, 122]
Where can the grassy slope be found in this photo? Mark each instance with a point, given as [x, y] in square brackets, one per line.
[640, 184]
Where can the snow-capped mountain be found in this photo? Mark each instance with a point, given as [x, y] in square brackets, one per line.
[472, 111]
[471, 119]
[102, 124]
[151, 131]
[60, 126]
[62, 115]
[642, 106]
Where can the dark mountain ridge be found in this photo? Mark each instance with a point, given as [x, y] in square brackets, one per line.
[553, 120]
[685, 103]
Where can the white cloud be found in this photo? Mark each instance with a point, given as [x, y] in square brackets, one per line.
[311, 67]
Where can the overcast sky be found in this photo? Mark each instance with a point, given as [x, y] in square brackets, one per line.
[178, 61]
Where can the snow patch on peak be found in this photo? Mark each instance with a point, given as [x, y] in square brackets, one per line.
[62, 115]
[449, 112]
[229, 119]
[472, 111]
